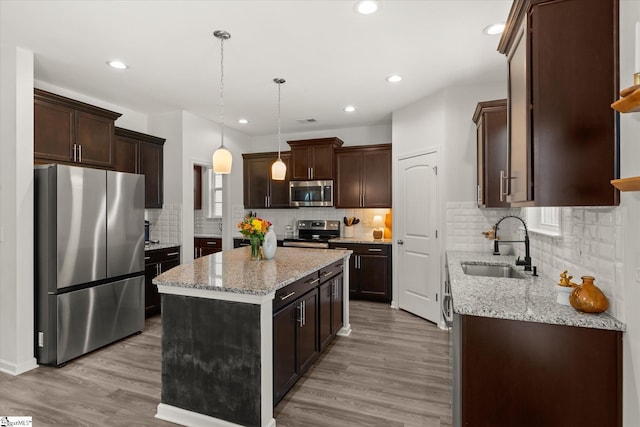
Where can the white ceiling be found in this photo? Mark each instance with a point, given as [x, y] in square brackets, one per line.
[329, 55]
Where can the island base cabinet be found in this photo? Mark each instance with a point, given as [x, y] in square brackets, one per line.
[516, 373]
[295, 342]
[330, 306]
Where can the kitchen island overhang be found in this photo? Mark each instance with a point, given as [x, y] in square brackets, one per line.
[217, 336]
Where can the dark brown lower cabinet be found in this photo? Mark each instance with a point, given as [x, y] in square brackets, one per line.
[203, 246]
[156, 262]
[515, 373]
[369, 271]
[330, 309]
[307, 315]
[295, 342]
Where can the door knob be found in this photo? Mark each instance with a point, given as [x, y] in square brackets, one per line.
[400, 242]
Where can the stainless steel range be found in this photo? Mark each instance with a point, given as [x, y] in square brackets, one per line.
[314, 233]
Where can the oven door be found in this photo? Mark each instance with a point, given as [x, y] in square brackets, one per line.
[311, 193]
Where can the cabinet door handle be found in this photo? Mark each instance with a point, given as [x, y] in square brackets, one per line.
[289, 295]
[344, 249]
[327, 273]
[195, 252]
[504, 186]
[375, 250]
[80, 153]
[158, 269]
[400, 242]
[304, 313]
[212, 243]
[312, 281]
[479, 197]
[301, 320]
[147, 257]
[173, 253]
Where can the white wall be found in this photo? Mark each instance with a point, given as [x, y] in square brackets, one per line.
[200, 138]
[16, 211]
[630, 166]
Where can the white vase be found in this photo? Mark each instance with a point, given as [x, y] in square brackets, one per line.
[348, 231]
[269, 244]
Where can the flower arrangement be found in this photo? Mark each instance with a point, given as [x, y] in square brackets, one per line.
[254, 227]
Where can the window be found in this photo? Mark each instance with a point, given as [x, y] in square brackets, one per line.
[216, 189]
[544, 220]
[212, 189]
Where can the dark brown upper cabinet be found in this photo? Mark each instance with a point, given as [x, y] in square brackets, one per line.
[72, 132]
[563, 76]
[313, 158]
[363, 176]
[490, 118]
[260, 191]
[140, 153]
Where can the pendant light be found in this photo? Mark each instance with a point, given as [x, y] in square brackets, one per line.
[222, 156]
[278, 168]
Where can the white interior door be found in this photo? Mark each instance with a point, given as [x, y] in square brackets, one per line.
[418, 250]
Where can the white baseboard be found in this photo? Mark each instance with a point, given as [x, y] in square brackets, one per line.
[345, 331]
[184, 417]
[19, 368]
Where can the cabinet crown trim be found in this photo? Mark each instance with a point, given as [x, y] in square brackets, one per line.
[42, 95]
[488, 106]
[357, 148]
[139, 136]
[337, 142]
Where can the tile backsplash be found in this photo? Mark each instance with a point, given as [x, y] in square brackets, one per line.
[466, 222]
[280, 218]
[591, 243]
[166, 223]
[206, 226]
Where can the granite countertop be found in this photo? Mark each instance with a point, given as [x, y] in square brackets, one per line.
[362, 240]
[532, 299]
[156, 246]
[208, 236]
[233, 271]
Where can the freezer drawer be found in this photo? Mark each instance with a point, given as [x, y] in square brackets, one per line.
[84, 320]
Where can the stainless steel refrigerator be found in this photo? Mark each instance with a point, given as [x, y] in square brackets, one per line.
[89, 259]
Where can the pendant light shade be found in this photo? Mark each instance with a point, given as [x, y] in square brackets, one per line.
[278, 168]
[222, 157]
[222, 160]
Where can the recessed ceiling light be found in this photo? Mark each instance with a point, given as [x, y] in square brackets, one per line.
[243, 121]
[117, 64]
[394, 78]
[349, 108]
[367, 7]
[494, 29]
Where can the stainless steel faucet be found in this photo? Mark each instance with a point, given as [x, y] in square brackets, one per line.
[527, 254]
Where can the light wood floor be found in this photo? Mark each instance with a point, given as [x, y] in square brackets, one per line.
[392, 371]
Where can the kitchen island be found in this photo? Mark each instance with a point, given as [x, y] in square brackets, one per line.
[520, 358]
[217, 333]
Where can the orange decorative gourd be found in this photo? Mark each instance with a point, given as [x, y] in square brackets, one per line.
[588, 297]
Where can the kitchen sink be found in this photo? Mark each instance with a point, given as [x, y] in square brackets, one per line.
[491, 270]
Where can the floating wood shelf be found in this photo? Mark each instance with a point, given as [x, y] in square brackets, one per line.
[629, 103]
[627, 184]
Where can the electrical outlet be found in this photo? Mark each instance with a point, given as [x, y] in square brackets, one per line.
[40, 339]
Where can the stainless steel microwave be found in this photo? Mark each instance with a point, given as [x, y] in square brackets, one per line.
[311, 193]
